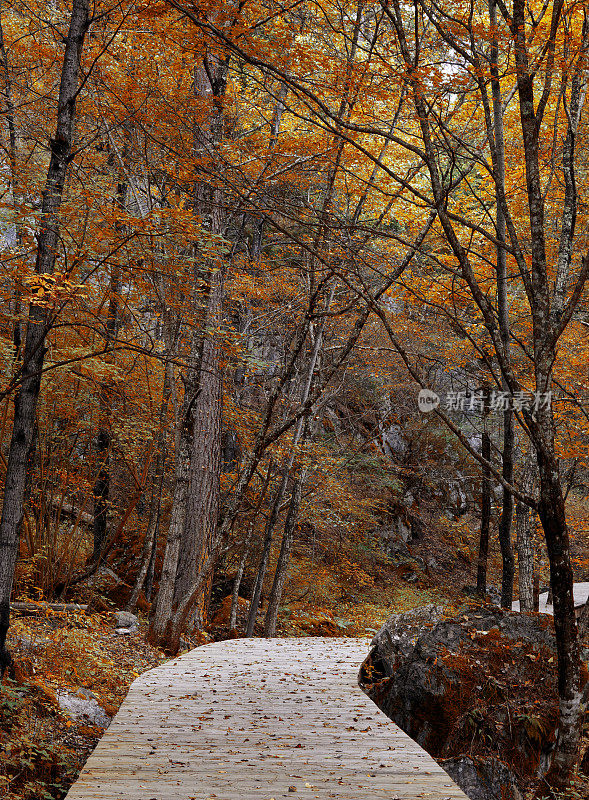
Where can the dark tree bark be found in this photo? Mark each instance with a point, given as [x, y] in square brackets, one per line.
[552, 515]
[9, 117]
[203, 499]
[506, 518]
[40, 317]
[485, 501]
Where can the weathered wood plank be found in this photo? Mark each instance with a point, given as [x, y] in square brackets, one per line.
[256, 719]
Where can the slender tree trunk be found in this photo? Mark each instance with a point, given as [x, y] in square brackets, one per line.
[525, 558]
[263, 563]
[238, 578]
[150, 540]
[583, 621]
[525, 549]
[14, 178]
[284, 557]
[102, 484]
[505, 520]
[246, 546]
[299, 433]
[145, 559]
[165, 596]
[485, 501]
[148, 584]
[40, 319]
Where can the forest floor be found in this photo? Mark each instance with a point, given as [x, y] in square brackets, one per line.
[330, 594]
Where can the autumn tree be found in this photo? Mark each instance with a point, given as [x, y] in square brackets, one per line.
[552, 295]
[521, 70]
[40, 313]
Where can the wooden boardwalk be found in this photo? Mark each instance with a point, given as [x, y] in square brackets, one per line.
[255, 719]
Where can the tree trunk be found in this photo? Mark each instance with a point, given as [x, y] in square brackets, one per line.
[284, 558]
[15, 198]
[148, 583]
[237, 579]
[583, 621]
[202, 513]
[485, 502]
[145, 560]
[165, 596]
[525, 558]
[505, 520]
[246, 546]
[179, 620]
[101, 485]
[150, 540]
[263, 563]
[103, 436]
[40, 319]
[202, 510]
[552, 515]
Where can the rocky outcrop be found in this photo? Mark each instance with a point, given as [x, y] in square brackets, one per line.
[482, 779]
[399, 635]
[480, 685]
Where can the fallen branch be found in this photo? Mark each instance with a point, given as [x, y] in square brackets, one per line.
[31, 608]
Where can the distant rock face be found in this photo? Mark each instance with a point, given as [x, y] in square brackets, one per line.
[480, 685]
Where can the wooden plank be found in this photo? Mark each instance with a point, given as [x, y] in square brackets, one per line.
[256, 719]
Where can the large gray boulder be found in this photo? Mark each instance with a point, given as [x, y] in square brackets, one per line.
[399, 634]
[125, 622]
[480, 685]
[83, 706]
